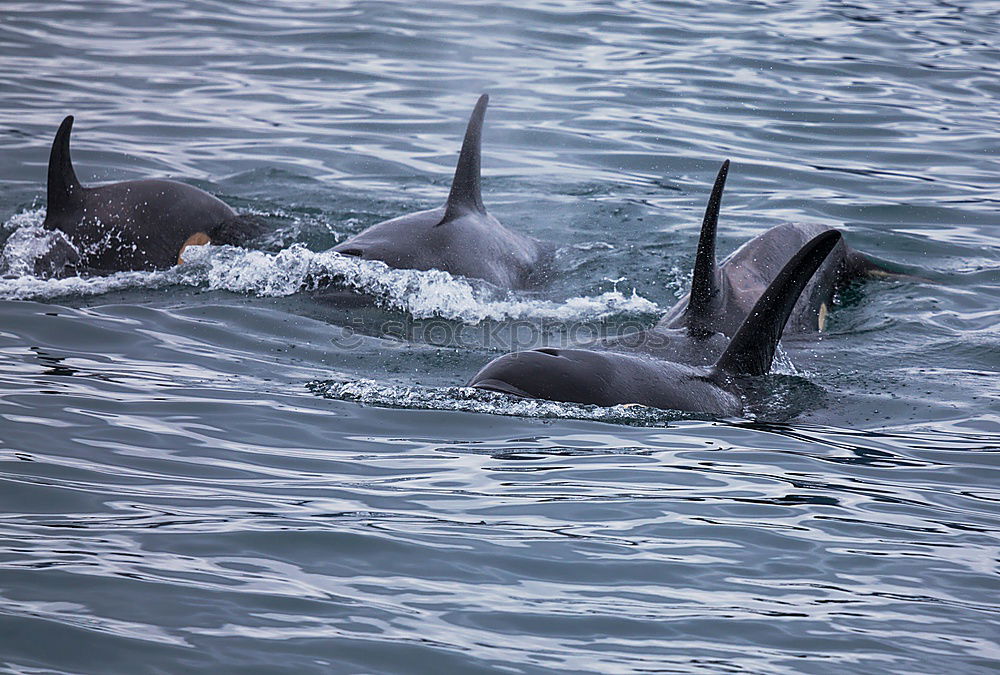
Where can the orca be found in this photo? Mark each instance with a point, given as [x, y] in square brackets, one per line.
[608, 378]
[460, 237]
[697, 329]
[130, 226]
[722, 294]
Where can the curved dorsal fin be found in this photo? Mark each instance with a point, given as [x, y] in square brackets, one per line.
[63, 189]
[752, 348]
[465, 193]
[705, 279]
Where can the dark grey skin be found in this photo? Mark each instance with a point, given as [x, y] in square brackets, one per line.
[460, 237]
[722, 295]
[671, 344]
[609, 378]
[134, 225]
[696, 331]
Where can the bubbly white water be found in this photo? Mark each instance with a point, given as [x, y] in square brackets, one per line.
[25, 246]
[469, 399]
[421, 294]
[176, 500]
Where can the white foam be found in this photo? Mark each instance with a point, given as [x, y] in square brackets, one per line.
[34, 288]
[782, 363]
[24, 246]
[29, 218]
[469, 399]
[29, 241]
[422, 294]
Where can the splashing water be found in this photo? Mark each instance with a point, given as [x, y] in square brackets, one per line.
[26, 246]
[469, 399]
[422, 294]
[32, 217]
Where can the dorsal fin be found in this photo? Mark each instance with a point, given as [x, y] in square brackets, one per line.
[752, 348]
[63, 189]
[704, 279]
[465, 193]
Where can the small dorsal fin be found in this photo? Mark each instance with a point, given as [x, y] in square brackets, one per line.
[704, 279]
[465, 193]
[752, 348]
[63, 189]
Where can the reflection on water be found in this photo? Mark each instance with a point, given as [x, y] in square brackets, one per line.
[229, 465]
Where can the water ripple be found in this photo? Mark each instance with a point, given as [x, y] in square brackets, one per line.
[198, 472]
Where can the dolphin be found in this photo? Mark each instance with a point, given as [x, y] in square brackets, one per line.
[607, 378]
[460, 237]
[134, 225]
[722, 294]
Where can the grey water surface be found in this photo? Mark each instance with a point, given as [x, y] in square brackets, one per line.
[222, 467]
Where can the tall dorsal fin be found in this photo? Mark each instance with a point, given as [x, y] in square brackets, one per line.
[752, 348]
[465, 193]
[63, 189]
[705, 279]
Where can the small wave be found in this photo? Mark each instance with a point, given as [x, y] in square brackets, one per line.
[422, 294]
[30, 218]
[29, 242]
[469, 399]
[594, 246]
[783, 364]
[33, 288]
[25, 247]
